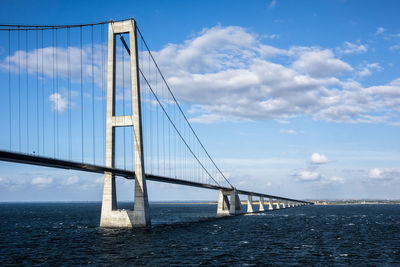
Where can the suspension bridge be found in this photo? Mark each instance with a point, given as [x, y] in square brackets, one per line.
[92, 98]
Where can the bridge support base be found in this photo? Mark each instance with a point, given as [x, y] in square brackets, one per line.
[270, 206]
[278, 205]
[112, 217]
[226, 206]
[262, 208]
[250, 204]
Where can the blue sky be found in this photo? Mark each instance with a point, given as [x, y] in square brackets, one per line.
[294, 98]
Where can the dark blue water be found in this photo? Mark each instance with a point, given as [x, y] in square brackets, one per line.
[68, 234]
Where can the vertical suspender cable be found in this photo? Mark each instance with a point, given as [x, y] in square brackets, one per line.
[58, 96]
[27, 92]
[169, 142]
[19, 91]
[9, 84]
[151, 128]
[103, 93]
[43, 132]
[37, 92]
[69, 95]
[93, 109]
[81, 94]
[123, 99]
[54, 96]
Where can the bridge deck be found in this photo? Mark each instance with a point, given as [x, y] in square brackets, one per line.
[71, 165]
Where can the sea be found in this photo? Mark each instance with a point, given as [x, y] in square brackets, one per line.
[68, 234]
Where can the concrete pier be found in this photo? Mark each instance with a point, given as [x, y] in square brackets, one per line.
[278, 205]
[235, 205]
[228, 203]
[270, 204]
[223, 204]
[250, 204]
[261, 208]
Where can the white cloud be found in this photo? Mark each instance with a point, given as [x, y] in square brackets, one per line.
[383, 174]
[288, 131]
[317, 158]
[12, 182]
[307, 176]
[380, 30]
[366, 69]
[334, 180]
[58, 102]
[271, 36]
[321, 63]
[272, 4]
[42, 181]
[71, 180]
[350, 48]
[228, 74]
[28, 60]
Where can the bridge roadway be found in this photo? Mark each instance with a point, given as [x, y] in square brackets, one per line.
[71, 165]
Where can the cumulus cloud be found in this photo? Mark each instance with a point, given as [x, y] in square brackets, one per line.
[321, 63]
[383, 174]
[366, 69]
[59, 103]
[317, 158]
[307, 176]
[350, 48]
[227, 73]
[31, 61]
[42, 181]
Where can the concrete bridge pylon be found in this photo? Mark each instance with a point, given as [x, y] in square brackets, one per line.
[110, 215]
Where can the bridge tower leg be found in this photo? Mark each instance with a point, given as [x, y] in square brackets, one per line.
[110, 215]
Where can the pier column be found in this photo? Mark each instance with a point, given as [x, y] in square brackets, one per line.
[235, 205]
[110, 215]
[223, 204]
[278, 205]
[283, 205]
[249, 204]
[261, 204]
[270, 206]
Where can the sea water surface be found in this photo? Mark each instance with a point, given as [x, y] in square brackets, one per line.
[186, 234]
